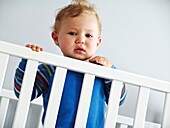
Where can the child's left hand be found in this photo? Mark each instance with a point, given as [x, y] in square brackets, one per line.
[101, 61]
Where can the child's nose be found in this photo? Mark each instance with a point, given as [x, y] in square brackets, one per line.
[80, 39]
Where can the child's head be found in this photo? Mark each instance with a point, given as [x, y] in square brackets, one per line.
[77, 30]
[77, 8]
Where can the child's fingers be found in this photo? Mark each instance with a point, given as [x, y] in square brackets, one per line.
[28, 45]
[96, 60]
[101, 61]
[34, 47]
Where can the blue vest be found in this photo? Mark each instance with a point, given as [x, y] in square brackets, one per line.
[70, 99]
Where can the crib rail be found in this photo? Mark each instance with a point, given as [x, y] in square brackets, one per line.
[90, 70]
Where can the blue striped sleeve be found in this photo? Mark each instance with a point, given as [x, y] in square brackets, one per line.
[41, 83]
[108, 86]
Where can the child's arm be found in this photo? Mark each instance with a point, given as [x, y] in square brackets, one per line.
[41, 81]
[105, 62]
[108, 86]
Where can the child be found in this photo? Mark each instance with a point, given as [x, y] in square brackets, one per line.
[77, 32]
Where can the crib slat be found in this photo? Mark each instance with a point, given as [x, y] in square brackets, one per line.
[113, 104]
[84, 102]
[25, 95]
[139, 121]
[55, 97]
[4, 102]
[166, 116]
[41, 113]
[123, 126]
[3, 65]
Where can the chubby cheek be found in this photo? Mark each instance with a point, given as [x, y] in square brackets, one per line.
[66, 47]
[92, 49]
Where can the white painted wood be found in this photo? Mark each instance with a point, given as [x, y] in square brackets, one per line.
[129, 122]
[139, 121]
[10, 94]
[123, 126]
[74, 64]
[25, 95]
[166, 113]
[3, 65]
[84, 102]
[113, 105]
[152, 125]
[40, 117]
[142, 81]
[55, 97]
[4, 102]
[125, 120]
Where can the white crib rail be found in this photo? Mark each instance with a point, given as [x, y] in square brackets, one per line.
[90, 70]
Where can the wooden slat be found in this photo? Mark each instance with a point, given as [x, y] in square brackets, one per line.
[139, 121]
[3, 65]
[129, 122]
[125, 120]
[113, 105]
[55, 97]
[123, 126]
[152, 125]
[166, 113]
[84, 102]
[4, 102]
[40, 117]
[25, 95]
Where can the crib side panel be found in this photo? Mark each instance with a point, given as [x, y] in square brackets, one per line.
[145, 83]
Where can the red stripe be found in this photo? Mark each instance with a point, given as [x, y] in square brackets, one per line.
[42, 81]
[123, 91]
[17, 86]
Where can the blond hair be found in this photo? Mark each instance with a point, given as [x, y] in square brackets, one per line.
[76, 8]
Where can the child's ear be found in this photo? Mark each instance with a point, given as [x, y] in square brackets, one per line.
[54, 35]
[99, 41]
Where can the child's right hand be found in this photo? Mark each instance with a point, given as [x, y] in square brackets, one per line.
[34, 47]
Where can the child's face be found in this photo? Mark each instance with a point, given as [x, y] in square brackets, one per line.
[78, 37]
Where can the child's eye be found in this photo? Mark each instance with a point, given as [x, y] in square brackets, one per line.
[72, 33]
[88, 35]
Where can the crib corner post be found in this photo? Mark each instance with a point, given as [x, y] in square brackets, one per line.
[166, 112]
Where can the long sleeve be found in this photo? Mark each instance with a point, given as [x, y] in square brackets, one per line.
[41, 83]
[107, 90]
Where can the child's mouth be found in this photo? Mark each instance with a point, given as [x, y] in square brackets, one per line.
[79, 50]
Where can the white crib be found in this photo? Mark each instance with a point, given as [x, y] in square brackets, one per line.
[90, 70]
